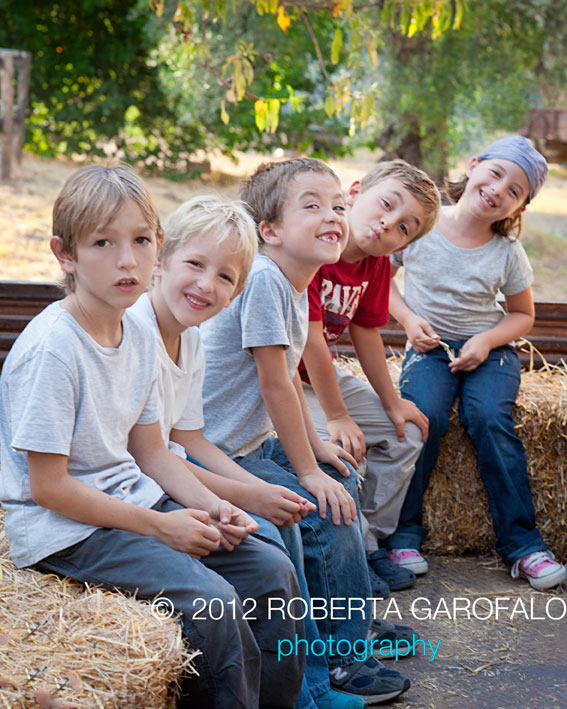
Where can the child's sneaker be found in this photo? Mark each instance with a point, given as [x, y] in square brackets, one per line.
[382, 630]
[369, 680]
[338, 700]
[397, 577]
[409, 559]
[541, 570]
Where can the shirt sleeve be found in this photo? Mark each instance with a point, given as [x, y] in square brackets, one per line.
[520, 272]
[264, 312]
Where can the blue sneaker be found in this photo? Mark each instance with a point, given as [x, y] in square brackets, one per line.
[369, 680]
[338, 700]
[381, 630]
[397, 577]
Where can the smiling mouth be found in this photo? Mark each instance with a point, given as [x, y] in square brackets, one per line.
[487, 200]
[127, 282]
[196, 301]
[330, 237]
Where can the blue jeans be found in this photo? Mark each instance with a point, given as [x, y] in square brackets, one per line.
[486, 396]
[335, 560]
[316, 678]
[239, 666]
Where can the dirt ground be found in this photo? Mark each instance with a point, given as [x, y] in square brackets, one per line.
[26, 202]
[488, 659]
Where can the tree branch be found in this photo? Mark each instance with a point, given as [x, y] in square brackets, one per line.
[315, 43]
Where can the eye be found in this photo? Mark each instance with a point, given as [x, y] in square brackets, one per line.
[404, 229]
[226, 277]
[143, 240]
[340, 208]
[194, 262]
[386, 203]
[312, 205]
[100, 243]
[496, 173]
[514, 192]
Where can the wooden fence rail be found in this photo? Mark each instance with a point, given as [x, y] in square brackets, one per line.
[20, 301]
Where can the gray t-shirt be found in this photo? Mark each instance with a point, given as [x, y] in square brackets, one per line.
[456, 289]
[61, 392]
[268, 312]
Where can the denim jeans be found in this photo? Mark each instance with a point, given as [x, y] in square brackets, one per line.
[486, 396]
[334, 555]
[239, 666]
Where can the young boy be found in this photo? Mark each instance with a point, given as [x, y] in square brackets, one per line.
[204, 261]
[393, 205]
[253, 348]
[89, 488]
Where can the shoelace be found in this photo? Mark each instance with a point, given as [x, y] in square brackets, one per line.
[533, 560]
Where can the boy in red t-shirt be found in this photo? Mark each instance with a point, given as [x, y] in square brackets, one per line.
[393, 205]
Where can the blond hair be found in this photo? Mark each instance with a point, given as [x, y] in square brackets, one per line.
[91, 198]
[417, 183]
[208, 215]
[265, 191]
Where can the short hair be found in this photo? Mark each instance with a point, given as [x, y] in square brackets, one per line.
[219, 220]
[417, 183]
[266, 190]
[91, 198]
[510, 227]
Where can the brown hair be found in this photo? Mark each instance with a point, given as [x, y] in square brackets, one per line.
[265, 191]
[511, 227]
[417, 183]
[209, 215]
[91, 198]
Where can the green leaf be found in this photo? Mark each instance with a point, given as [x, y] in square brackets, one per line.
[336, 46]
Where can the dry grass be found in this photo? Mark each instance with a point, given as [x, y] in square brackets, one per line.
[62, 645]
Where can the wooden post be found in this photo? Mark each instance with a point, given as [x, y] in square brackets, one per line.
[23, 90]
[7, 89]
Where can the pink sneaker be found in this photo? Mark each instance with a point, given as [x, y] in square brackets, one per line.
[410, 559]
[541, 570]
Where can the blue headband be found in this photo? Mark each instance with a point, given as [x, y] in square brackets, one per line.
[519, 150]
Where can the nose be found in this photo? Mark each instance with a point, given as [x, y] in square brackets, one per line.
[126, 259]
[206, 280]
[331, 215]
[386, 221]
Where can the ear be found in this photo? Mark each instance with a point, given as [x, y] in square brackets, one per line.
[235, 295]
[65, 259]
[471, 166]
[517, 212]
[269, 233]
[353, 192]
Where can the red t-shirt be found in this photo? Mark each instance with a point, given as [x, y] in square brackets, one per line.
[341, 293]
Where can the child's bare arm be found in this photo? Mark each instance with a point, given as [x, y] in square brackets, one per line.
[369, 348]
[419, 332]
[319, 365]
[52, 487]
[230, 481]
[284, 407]
[518, 321]
[176, 477]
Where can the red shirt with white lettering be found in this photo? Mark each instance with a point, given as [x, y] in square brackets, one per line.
[341, 293]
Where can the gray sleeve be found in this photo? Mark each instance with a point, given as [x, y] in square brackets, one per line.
[43, 409]
[263, 308]
[397, 259]
[520, 273]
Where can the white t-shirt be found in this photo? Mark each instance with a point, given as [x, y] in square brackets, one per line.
[61, 392]
[456, 289]
[180, 385]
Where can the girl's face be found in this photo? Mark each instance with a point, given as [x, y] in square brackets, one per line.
[497, 189]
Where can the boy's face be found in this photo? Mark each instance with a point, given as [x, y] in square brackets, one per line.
[113, 265]
[382, 219]
[199, 279]
[496, 189]
[312, 228]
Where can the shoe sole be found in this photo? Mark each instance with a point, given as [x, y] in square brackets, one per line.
[549, 581]
[373, 698]
[418, 567]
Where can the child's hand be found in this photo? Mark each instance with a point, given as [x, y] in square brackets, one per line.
[281, 506]
[328, 452]
[421, 335]
[189, 531]
[347, 432]
[233, 524]
[331, 492]
[403, 410]
[472, 354]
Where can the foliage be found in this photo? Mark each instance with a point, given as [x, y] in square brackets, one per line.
[93, 89]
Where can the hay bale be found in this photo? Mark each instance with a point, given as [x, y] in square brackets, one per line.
[64, 645]
[455, 506]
